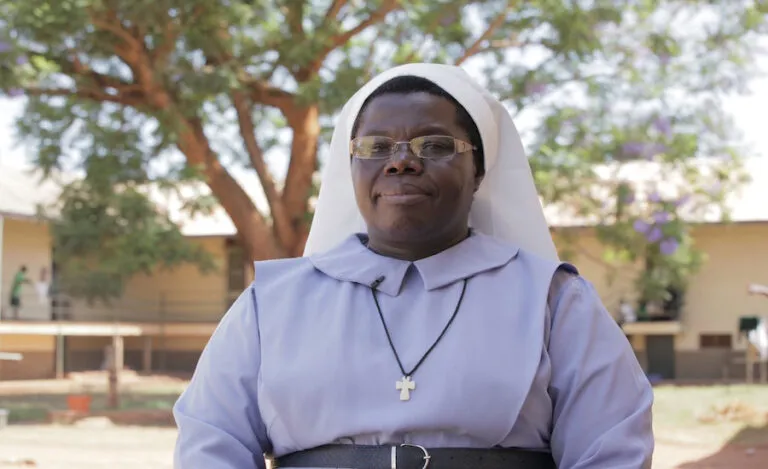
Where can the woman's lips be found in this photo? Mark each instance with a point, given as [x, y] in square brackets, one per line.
[403, 198]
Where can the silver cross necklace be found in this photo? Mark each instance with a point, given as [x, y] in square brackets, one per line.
[406, 384]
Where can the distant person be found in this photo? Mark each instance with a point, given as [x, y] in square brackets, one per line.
[627, 312]
[18, 280]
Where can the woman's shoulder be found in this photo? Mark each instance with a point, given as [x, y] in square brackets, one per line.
[528, 259]
[275, 272]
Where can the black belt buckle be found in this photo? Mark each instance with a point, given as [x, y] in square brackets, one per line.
[425, 457]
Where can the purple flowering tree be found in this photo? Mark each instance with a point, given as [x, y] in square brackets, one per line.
[660, 239]
[643, 150]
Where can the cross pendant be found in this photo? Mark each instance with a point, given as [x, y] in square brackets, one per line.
[405, 386]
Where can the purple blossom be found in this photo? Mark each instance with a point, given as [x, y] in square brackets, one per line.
[21, 60]
[640, 226]
[664, 59]
[654, 197]
[661, 217]
[535, 88]
[682, 200]
[664, 126]
[15, 92]
[448, 20]
[643, 149]
[669, 246]
[632, 148]
[655, 235]
[654, 149]
[4, 47]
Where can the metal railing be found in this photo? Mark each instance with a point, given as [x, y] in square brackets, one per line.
[168, 307]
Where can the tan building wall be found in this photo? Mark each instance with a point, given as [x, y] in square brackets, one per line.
[737, 255]
[612, 281]
[181, 294]
[25, 242]
[38, 357]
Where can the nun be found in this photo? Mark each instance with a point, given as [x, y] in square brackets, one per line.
[429, 323]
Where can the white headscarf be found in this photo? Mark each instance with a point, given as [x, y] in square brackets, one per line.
[506, 205]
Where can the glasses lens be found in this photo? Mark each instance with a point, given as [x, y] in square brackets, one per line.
[372, 147]
[434, 146]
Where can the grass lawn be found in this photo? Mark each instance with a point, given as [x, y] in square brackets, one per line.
[683, 415]
[696, 427]
[29, 403]
[35, 408]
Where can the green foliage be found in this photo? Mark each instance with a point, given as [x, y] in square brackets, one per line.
[103, 236]
[112, 82]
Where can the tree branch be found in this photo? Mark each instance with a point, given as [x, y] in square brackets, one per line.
[476, 46]
[172, 33]
[76, 67]
[164, 49]
[93, 95]
[281, 221]
[268, 95]
[109, 21]
[135, 55]
[387, 6]
[333, 11]
[295, 16]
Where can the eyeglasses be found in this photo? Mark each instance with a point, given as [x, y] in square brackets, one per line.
[428, 147]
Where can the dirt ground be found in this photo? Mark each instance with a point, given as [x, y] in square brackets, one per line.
[706, 427]
[90, 445]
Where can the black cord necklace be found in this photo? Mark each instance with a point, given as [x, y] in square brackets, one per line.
[405, 385]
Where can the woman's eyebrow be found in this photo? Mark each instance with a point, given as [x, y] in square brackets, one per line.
[427, 129]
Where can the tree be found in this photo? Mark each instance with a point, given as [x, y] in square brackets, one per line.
[126, 82]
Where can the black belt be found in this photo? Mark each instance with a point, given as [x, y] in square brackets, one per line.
[407, 456]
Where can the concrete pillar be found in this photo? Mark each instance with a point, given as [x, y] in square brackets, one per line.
[60, 351]
[115, 366]
[119, 352]
[147, 355]
[2, 282]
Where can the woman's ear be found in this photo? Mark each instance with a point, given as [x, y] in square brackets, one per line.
[478, 181]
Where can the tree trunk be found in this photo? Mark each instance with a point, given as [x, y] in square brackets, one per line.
[253, 231]
[305, 123]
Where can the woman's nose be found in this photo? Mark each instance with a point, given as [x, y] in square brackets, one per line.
[404, 161]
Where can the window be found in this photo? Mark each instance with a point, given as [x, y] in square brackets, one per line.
[715, 341]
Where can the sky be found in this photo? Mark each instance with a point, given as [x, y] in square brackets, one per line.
[745, 109]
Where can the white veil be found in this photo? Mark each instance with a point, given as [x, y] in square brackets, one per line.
[506, 206]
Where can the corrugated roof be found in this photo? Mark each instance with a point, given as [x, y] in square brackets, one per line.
[21, 190]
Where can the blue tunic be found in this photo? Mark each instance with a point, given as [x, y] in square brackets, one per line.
[532, 360]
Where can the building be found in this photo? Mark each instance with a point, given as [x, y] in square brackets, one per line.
[163, 321]
[704, 342]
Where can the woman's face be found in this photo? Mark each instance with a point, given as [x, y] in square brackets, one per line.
[405, 199]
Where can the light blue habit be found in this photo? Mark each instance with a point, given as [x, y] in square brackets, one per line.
[301, 360]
